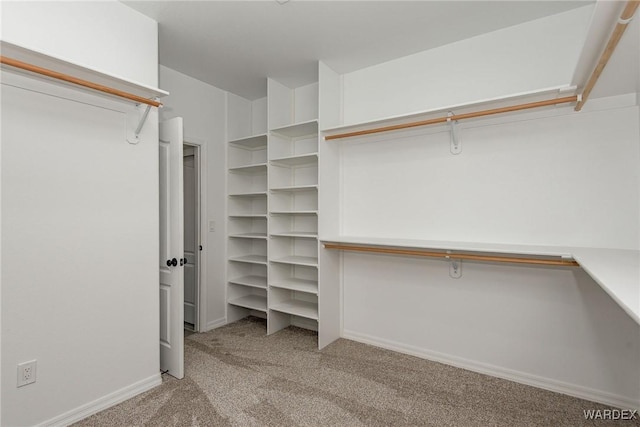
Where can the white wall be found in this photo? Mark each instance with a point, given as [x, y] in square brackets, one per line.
[563, 180]
[204, 111]
[79, 219]
[104, 35]
[527, 57]
[551, 177]
[553, 328]
[569, 179]
[245, 117]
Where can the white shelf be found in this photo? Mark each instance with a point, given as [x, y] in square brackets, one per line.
[93, 75]
[295, 188]
[302, 234]
[252, 281]
[302, 159]
[249, 236]
[298, 129]
[617, 271]
[250, 259]
[498, 248]
[294, 212]
[249, 168]
[531, 96]
[275, 173]
[253, 302]
[251, 194]
[255, 142]
[298, 308]
[297, 260]
[301, 285]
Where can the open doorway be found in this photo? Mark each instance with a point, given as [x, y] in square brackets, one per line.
[192, 243]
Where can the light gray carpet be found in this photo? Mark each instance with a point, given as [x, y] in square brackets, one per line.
[238, 376]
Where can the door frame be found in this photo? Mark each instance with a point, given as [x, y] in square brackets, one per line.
[201, 199]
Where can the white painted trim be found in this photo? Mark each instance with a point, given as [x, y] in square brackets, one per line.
[202, 288]
[226, 205]
[104, 402]
[497, 371]
[215, 324]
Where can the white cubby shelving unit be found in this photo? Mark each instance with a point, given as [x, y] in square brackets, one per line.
[273, 208]
[247, 226]
[293, 206]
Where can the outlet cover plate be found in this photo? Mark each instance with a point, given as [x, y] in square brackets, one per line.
[27, 373]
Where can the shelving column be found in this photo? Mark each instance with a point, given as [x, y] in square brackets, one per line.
[247, 210]
[293, 206]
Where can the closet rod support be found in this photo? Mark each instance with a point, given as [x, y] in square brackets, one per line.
[135, 138]
[456, 146]
[455, 267]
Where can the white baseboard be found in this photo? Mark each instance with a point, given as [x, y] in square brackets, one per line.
[215, 324]
[497, 371]
[104, 402]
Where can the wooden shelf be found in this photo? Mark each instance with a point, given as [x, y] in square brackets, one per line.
[298, 129]
[297, 260]
[302, 159]
[252, 302]
[248, 236]
[252, 281]
[255, 142]
[295, 188]
[301, 234]
[250, 259]
[298, 308]
[294, 284]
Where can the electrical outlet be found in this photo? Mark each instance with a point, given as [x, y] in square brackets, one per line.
[27, 372]
[212, 226]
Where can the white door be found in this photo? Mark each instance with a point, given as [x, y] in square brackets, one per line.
[171, 249]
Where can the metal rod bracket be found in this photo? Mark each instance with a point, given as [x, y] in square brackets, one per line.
[455, 266]
[134, 136]
[456, 145]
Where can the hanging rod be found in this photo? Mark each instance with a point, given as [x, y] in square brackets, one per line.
[621, 26]
[448, 255]
[457, 117]
[70, 79]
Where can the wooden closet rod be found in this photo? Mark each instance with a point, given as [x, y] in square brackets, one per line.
[621, 26]
[455, 117]
[474, 257]
[70, 79]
